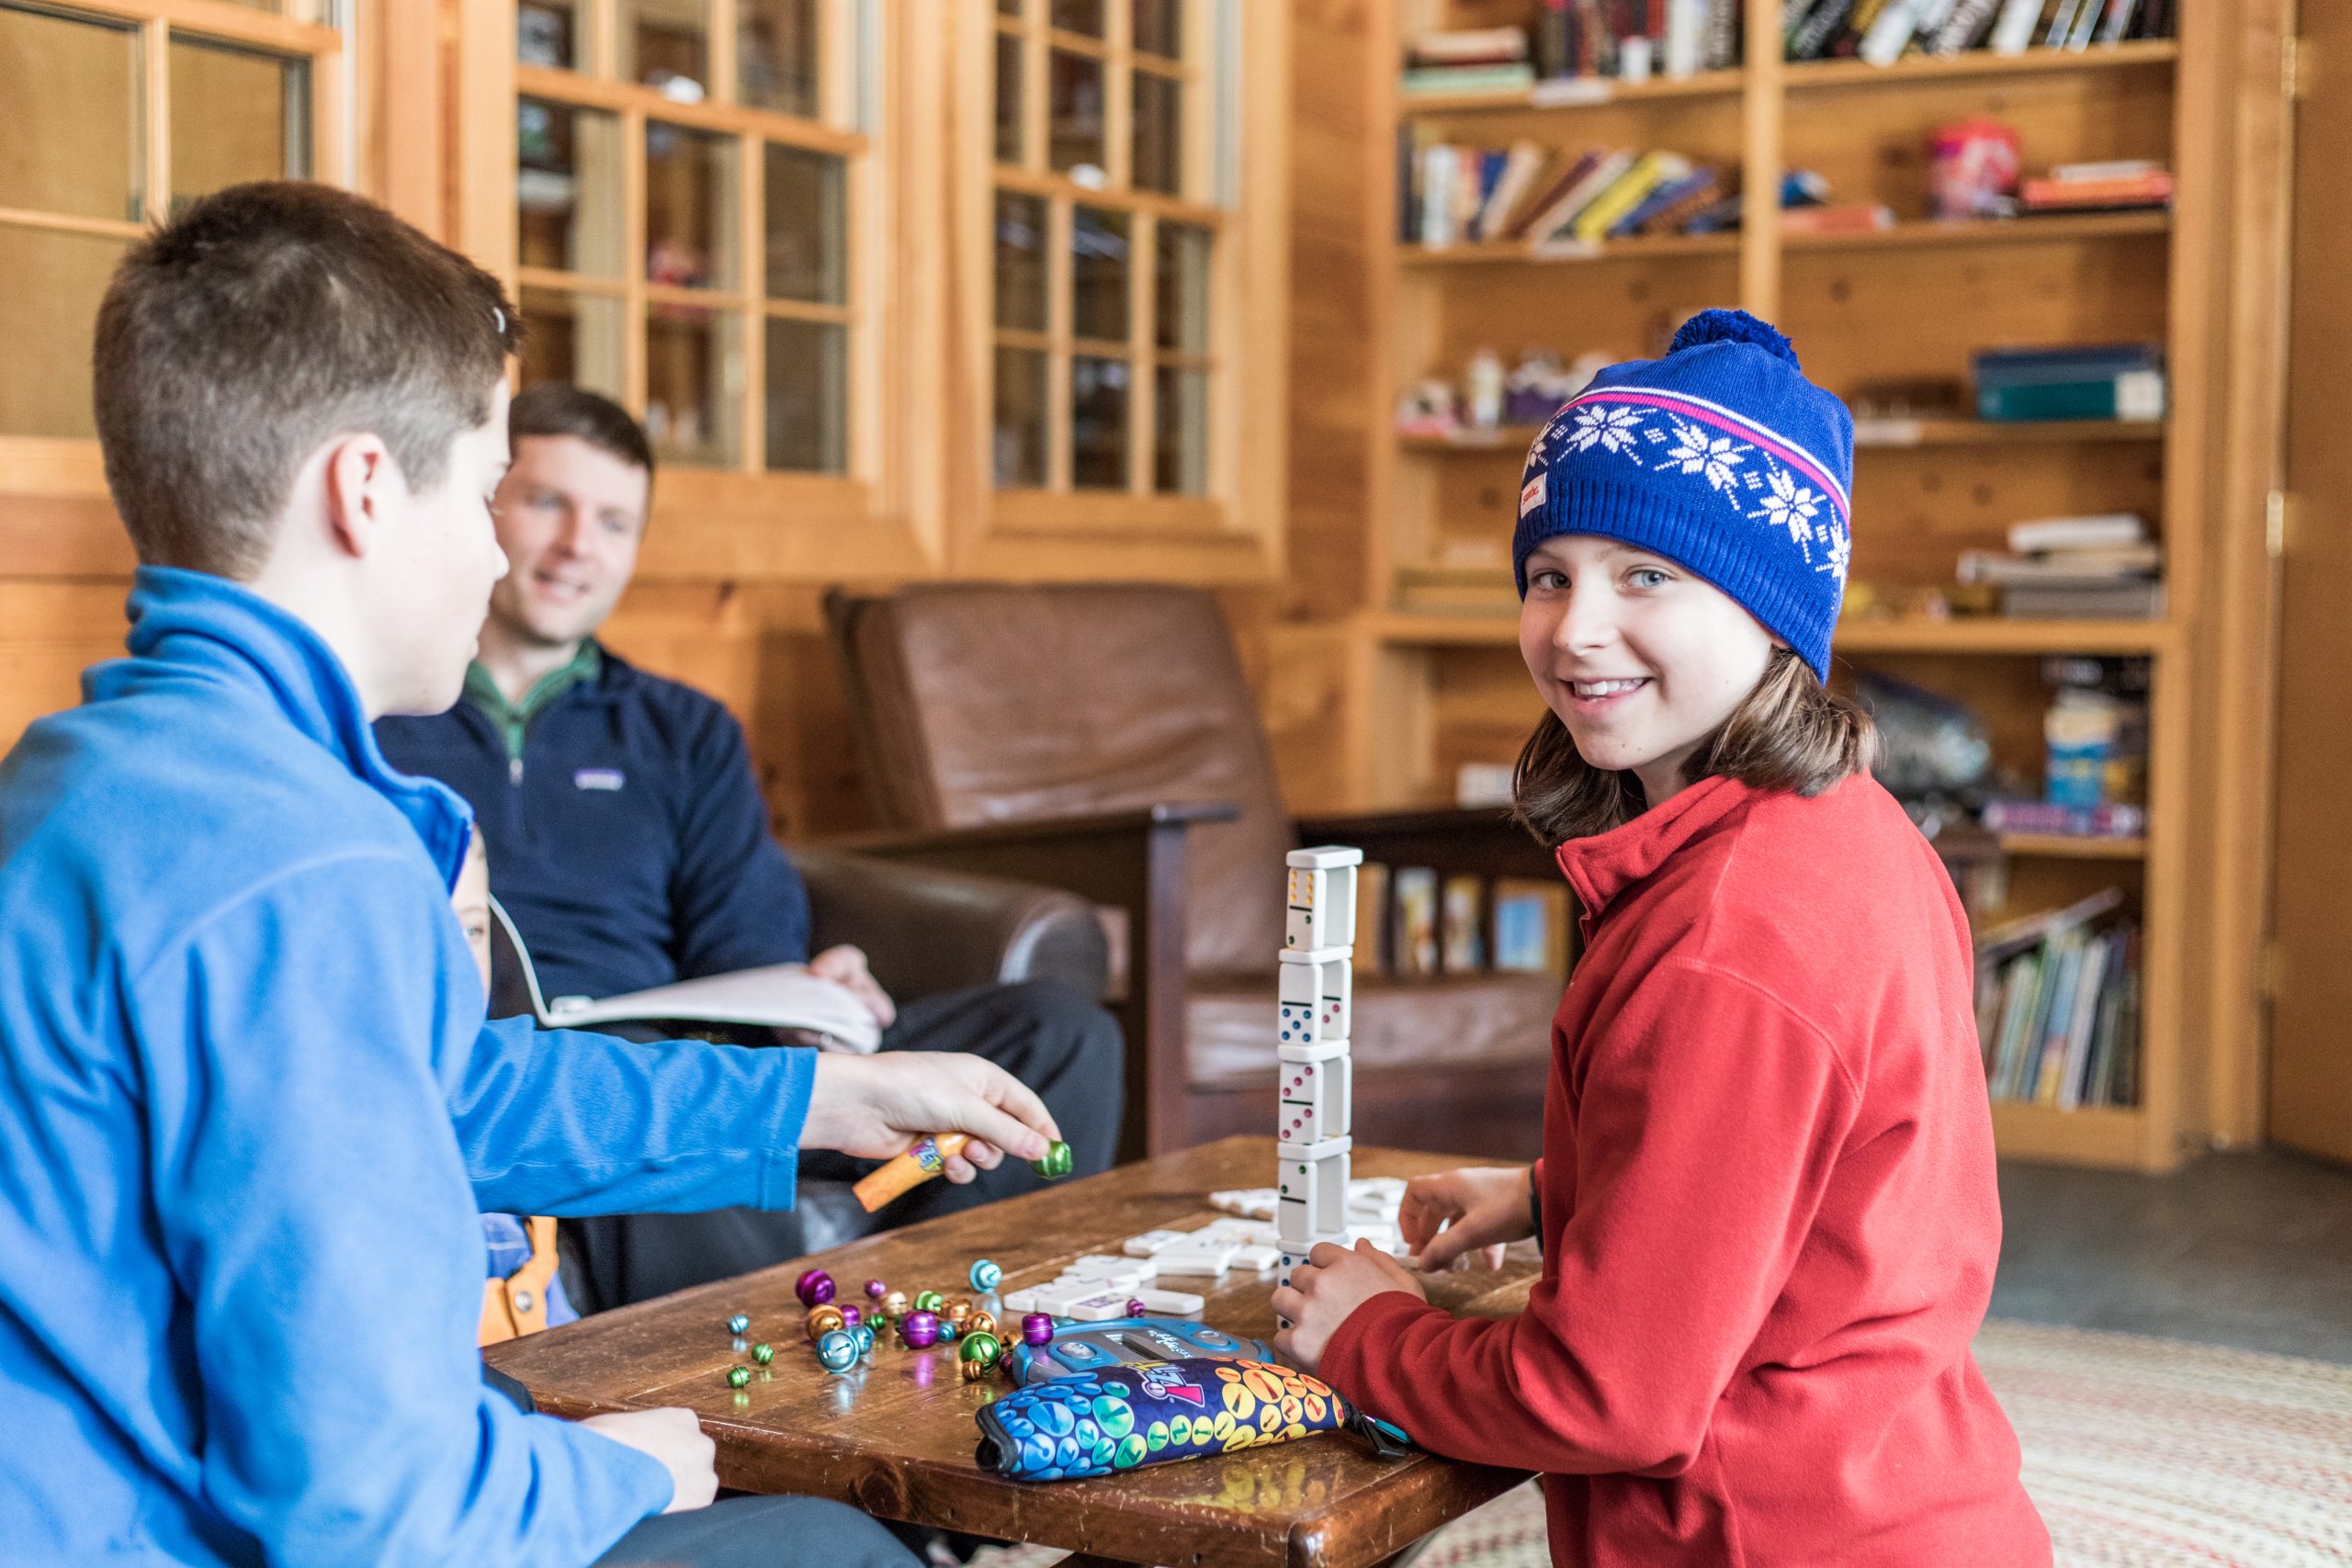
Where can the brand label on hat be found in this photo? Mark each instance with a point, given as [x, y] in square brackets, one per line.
[1530, 495]
[596, 778]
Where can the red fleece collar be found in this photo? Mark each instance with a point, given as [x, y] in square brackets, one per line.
[1602, 866]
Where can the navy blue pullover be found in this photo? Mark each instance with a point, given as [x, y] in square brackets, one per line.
[628, 840]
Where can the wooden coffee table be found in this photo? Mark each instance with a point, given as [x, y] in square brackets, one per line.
[897, 1438]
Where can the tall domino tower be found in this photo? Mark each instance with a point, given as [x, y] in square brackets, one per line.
[1317, 1074]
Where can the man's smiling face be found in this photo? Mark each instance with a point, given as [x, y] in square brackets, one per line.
[570, 518]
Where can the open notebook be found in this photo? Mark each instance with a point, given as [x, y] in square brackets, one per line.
[780, 996]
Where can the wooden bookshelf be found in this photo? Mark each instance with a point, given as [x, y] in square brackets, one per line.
[1806, 75]
[1895, 307]
[1556, 98]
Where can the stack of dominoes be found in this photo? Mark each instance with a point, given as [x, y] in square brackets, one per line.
[1316, 1073]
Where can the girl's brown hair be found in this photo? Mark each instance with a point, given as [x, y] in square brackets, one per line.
[1790, 732]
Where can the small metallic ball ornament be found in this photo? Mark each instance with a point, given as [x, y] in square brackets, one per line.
[852, 1316]
[894, 1305]
[815, 1288]
[978, 1356]
[837, 1351]
[919, 1330]
[980, 1323]
[763, 1353]
[928, 1301]
[738, 1376]
[1037, 1328]
[956, 1311]
[1056, 1163]
[947, 1332]
[1135, 1307]
[986, 1276]
[876, 1290]
[864, 1332]
[738, 1324]
[823, 1320]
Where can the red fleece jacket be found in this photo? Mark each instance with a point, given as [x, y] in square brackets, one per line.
[1768, 1211]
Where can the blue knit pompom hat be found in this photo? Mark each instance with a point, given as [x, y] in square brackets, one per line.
[1721, 457]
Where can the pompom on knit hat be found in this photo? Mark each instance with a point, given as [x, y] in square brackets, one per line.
[1721, 457]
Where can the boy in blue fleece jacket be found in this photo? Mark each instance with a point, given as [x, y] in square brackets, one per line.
[248, 1105]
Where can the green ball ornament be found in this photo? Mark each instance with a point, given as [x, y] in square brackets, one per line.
[930, 1301]
[763, 1353]
[1056, 1163]
[978, 1355]
[738, 1376]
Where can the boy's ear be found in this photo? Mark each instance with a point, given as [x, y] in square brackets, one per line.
[361, 480]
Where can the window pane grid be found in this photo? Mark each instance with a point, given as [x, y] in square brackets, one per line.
[156, 115]
[734, 195]
[1098, 116]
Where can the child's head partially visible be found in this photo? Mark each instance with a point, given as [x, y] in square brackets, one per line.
[298, 392]
[1682, 549]
[470, 899]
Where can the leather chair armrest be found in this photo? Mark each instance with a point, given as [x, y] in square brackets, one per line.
[927, 930]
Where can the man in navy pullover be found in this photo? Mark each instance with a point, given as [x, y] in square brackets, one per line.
[628, 841]
[248, 1103]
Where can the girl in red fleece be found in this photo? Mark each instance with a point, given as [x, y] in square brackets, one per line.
[1767, 1203]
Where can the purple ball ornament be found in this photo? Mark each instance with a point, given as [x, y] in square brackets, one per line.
[1036, 1328]
[1135, 1307]
[876, 1290]
[851, 1316]
[815, 1288]
[920, 1330]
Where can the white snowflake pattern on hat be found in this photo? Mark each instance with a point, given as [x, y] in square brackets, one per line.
[1697, 450]
[1609, 426]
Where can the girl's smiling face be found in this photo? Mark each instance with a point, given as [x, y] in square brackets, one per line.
[1640, 658]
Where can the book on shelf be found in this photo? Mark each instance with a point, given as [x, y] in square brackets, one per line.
[1531, 927]
[1462, 938]
[1621, 197]
[2100, 530]
[2118, 381]
[2149, 191]
[2092, 568]
[1413, 948]
[2043, 819]
[1635, 39]
[1468, 46]
[1430, 81]
[1848, 217]
[1371, 918]
[1883, 31]
[2088, 602]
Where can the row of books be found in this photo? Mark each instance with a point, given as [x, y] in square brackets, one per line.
[1577, 42]
[2058, 1006]
[1458, 194]
[2098, 567]
[1880, 31]
[1410, 922]
[2130, 184]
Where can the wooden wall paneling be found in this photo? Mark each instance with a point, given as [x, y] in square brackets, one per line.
[1484, 707]
[1924, 505]
[50, 632]
[2236, 667]
[1763, 132]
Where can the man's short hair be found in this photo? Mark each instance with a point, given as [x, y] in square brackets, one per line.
[268, 318]
[559, 408]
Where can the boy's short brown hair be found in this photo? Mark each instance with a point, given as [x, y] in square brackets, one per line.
[1790, 732]
[266, 320]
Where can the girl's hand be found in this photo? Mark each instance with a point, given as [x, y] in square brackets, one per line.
[1325, 1288]
[1446, 1217]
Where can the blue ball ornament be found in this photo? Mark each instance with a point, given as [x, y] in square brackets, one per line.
[986, 1276]
[837, 1351]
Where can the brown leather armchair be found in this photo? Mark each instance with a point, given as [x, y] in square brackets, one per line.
[1104, 739]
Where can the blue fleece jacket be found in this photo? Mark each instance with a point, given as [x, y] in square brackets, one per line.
[249, 1112]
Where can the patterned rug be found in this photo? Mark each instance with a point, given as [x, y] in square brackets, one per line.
[2140, 1452]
